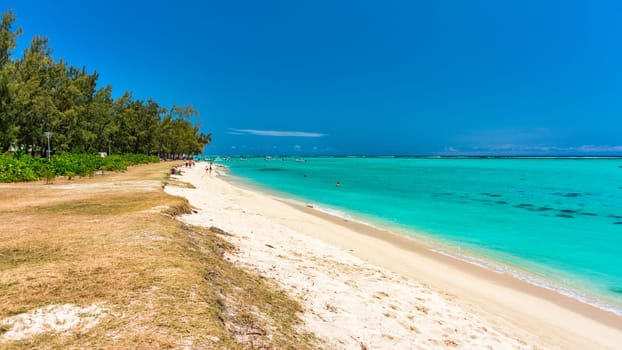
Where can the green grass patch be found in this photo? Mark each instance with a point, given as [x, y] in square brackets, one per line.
[11, 257]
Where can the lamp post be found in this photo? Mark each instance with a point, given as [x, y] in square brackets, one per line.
[48, 134]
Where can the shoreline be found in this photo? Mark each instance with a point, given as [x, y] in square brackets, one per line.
[532, 312]
[463, 255]
[437, 247]
[506, 279]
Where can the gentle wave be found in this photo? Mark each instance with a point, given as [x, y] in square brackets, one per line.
[488, 264]
[537, 215]
[533, 280]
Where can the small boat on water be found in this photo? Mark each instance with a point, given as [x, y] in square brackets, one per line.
[300, 160]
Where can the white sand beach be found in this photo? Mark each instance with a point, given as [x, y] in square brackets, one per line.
[364, 288]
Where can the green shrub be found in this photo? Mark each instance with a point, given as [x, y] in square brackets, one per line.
[13, 170]
[27, 168]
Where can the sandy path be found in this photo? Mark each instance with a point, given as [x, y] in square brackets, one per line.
[348, 301]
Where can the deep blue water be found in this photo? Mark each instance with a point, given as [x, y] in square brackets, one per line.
[559, 220]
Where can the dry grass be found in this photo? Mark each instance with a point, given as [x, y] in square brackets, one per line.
[112, 240]
[175, 182]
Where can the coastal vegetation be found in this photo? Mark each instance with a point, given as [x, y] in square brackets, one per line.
[26, 168]
[111, 247]
[101, 261]
[39, 94]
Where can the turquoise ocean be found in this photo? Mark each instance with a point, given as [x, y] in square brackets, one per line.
[555, 222]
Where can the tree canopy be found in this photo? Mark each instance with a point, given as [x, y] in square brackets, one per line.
[39, 94]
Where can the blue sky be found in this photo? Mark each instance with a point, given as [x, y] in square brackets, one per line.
[359, 77]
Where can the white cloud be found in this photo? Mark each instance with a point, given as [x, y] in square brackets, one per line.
[521, 148]
[518, 148]
[508, 137]
[523, 141]
[599, 148]
[276, 133]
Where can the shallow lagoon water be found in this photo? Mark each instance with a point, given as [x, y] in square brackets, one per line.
[556, 222]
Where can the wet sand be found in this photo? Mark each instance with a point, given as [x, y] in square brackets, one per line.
[365, 286]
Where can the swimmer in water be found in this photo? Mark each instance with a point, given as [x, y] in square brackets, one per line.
[337, 184]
